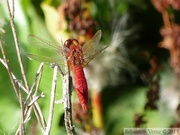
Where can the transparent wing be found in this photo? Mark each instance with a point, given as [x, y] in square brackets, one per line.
[90, 46]
[45, 47]
[88, 59]
[48, 52]
[46, 60]
[90, 49]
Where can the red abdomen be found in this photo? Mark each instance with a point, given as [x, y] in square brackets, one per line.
[81, 85]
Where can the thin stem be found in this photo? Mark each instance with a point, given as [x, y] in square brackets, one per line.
[36, 107]
[15, 83]
[27, 113]
[22, 128]
[39, 116]
[36, 79]
[35, 99]
[5, 63]
[39, 73]
[13, 76]
[11, 15]
[67, 102]
[52, 102]
[16, 87]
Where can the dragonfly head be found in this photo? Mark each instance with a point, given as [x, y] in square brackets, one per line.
[70, 42]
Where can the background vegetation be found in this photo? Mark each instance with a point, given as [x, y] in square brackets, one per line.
[134, 83]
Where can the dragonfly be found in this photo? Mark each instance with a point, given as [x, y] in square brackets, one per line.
[76, 55]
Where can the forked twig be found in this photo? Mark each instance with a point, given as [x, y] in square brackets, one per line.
[28, 107]
[33, 98]
[36, 81]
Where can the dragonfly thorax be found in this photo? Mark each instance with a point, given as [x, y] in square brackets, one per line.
[74, 55]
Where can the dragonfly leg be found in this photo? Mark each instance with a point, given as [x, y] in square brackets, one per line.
[60, 70]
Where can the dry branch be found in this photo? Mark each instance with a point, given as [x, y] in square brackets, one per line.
[67, 101]
[16, 87]
[52, 102]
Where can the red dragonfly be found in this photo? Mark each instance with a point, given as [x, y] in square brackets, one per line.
[77, 57]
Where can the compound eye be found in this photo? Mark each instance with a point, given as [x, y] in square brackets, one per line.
[75, 42]
[67, 43]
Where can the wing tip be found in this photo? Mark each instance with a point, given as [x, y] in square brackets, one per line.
[99, 32]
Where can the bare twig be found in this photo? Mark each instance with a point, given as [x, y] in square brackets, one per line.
[36, 107]
[15, 86]
[36, 81]
[67, 102]
[11, 15]
[17, 90]
[22, 129]
[27, 111]
[40, 116]
[5, 63]
[51, 110]
[35, 99]
[11, 74]
[39, 73]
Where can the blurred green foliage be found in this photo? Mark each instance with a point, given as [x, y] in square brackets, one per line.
[121, 102]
